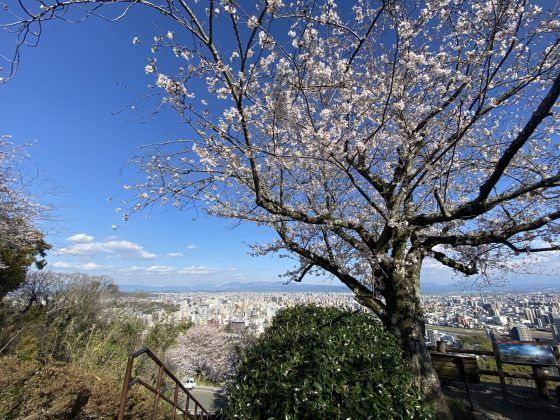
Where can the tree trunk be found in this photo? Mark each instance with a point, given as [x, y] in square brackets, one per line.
[405, 320]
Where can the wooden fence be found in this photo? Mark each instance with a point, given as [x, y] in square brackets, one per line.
[538, 375]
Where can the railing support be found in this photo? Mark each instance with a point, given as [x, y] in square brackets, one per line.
[156, 390]
[175, 395]
[124, 393]
[540, 381]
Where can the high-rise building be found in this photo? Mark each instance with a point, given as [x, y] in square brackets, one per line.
[494, 309]
[431, 335]
[556, 329]
[521, 333]
[530, 315]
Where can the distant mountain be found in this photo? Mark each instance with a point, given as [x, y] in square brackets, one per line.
[239, 287]
[515, 285]
[436, 288]
[293, 287]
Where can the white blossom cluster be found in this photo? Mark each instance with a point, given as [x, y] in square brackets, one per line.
[203, 350]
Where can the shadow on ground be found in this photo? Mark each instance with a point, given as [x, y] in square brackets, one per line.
[524, 403]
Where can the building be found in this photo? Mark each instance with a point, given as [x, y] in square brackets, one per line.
[431, 336]
[237, 326]
[530, 315]
[556, 330]
[520, 333]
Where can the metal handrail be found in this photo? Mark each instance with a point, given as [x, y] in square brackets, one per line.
[129, 382]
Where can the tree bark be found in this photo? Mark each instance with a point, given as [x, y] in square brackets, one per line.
[405, 320]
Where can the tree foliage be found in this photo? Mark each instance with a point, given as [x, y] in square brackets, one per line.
[21, 244]
[17, 210]
[324, 363]
[17, 259]
[475, 342]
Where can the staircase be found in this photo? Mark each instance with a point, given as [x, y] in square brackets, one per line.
[191, 409]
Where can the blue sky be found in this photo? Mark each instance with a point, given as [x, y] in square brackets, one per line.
[64, 99]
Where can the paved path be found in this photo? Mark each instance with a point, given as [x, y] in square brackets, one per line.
[210, 398]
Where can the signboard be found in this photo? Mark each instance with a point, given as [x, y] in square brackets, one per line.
[526, 352]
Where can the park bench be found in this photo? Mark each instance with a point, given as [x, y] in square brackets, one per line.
[456, 367]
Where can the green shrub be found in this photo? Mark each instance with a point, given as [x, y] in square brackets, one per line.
[324, 363]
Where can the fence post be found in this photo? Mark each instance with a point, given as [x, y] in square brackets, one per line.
[124, 394]
[556, 351]
[465, 380]
[175, 396]
[500, 371]
[158, 389]
[540, 381]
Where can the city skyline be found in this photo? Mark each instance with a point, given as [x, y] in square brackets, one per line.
[499, 315]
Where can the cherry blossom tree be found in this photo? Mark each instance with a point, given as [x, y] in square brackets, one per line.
[369, 136]
[204, 350]
[21, 244]
[17, 210]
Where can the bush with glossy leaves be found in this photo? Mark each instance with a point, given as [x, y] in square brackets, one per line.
[324, 363]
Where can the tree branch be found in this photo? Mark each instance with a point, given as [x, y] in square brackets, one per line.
[538, 116]
[361, 291]
[440, 203]
[529, 249]
[493, 236]
[445, 260]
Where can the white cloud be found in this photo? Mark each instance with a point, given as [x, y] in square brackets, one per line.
[154, 269]
[431, 264]
[80, 237]
[537, 262]
[91, 266]
[193, 270]
[199, 270]
[174, 254]
[60, 264]
[160, 269]
[191, 247]
[122, 249]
